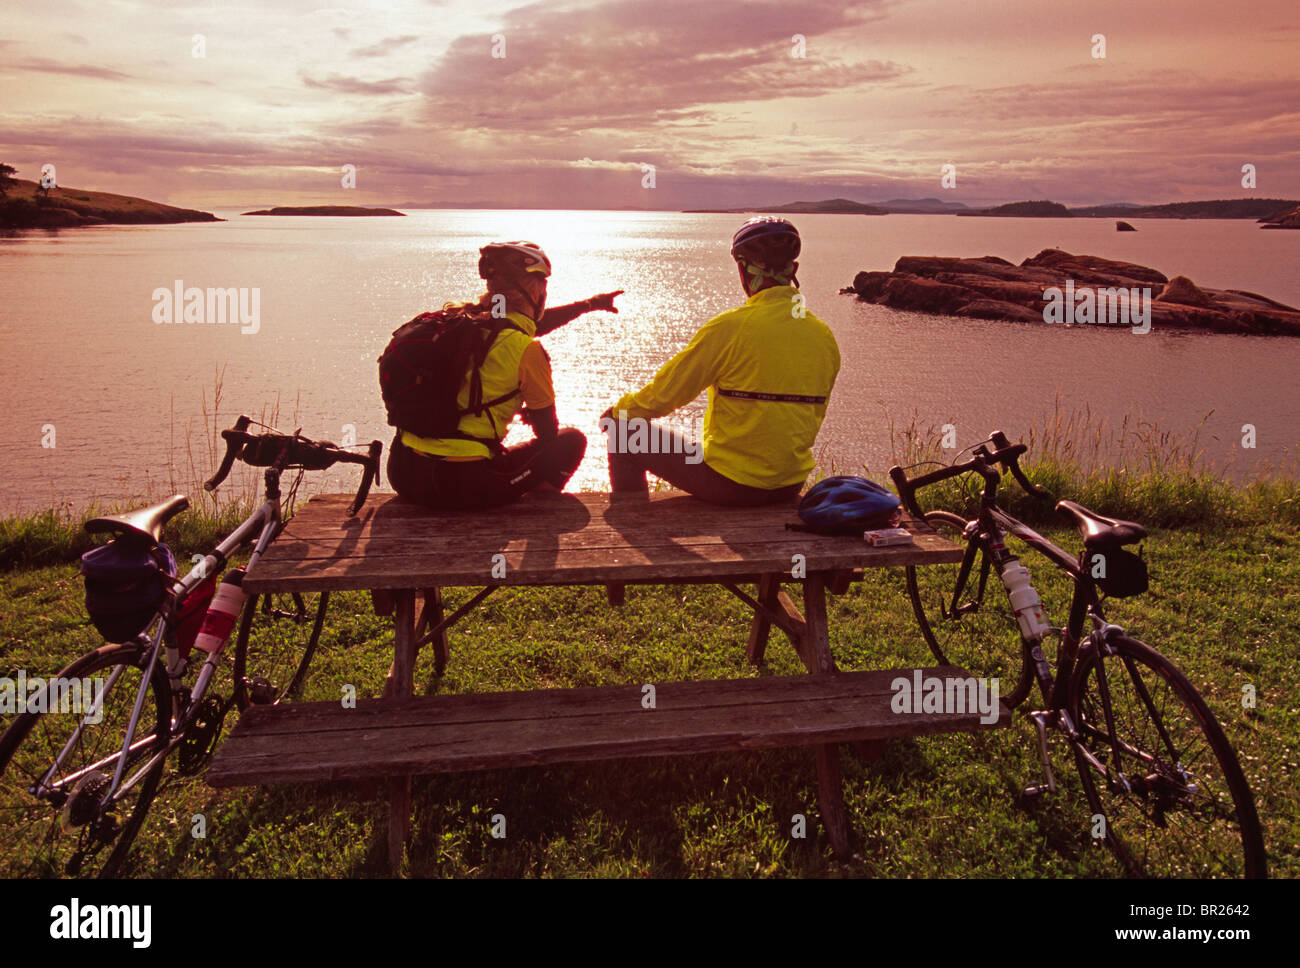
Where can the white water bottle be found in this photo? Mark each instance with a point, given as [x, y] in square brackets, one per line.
[1025, 601]
[222, 612]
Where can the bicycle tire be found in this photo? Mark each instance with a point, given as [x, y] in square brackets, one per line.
[986, 642]
[1183, 805]
[78, 839]
[271, 658]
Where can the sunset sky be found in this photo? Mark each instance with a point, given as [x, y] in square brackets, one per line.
[706, 91]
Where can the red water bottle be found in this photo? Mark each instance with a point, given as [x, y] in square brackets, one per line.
[226, 605]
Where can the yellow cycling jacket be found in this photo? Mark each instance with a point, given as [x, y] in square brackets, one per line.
[769, 372]
[516, 361]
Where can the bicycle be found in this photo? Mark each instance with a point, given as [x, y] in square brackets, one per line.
[76, 789]
[1154, 763]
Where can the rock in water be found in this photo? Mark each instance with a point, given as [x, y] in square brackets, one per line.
[993, 288]
[1124, 227]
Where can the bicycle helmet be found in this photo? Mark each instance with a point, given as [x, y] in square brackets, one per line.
[767, 240]
[847, 505]
[512, 260]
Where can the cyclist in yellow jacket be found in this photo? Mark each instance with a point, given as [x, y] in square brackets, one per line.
[473, 470]
[769, 367]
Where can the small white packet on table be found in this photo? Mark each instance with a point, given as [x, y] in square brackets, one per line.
[887, 536]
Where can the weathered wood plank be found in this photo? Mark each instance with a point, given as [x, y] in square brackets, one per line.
[431, 617]
[358, 750]
[324, 517]
[417, 541]
[761, 626]
[816, 650]
[548, 704]
[541, 567]
[399, 686]
[556, 539]
[830, 797]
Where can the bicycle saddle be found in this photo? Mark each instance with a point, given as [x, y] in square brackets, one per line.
[145, 523]
[1098, 530]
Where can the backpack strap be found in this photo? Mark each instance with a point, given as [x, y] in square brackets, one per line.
[477, 405]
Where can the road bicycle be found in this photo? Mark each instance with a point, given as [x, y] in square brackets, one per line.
[75, 785]
[1165, 788]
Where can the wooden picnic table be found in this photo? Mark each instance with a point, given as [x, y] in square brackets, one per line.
[399, 551]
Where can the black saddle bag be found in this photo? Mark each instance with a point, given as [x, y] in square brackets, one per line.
[1118, 573]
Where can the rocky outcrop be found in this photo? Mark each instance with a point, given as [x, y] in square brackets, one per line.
[1035, 291]
[1183, 291]
[1124, 227]
[1287, 220]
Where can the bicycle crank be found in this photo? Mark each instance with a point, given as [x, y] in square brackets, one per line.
[201, 737]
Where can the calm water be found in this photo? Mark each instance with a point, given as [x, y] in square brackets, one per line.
[125, 396]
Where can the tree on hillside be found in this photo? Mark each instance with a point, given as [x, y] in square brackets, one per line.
[6, 178]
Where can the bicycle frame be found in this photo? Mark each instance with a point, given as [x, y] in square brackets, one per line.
[991, 524]
[985, 536]
[264, 523]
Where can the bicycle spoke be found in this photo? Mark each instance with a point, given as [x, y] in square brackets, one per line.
[1174, 799]
[56, 774]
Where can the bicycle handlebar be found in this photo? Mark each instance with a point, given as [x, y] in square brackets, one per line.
[279, 451]
[1012, 463]
[983, 463]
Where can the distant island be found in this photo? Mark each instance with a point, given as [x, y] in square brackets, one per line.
[845, 206]
[831, 206]
[351, 210]
[1024, 210]
[1270, 210]
[25, 205]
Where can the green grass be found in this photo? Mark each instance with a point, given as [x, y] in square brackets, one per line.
[1224, 606]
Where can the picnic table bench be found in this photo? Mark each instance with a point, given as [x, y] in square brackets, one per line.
[400, 551]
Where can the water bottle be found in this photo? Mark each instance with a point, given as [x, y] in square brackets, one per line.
[1025, 601]
[224, 609]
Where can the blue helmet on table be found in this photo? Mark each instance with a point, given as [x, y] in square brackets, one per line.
[847, 505]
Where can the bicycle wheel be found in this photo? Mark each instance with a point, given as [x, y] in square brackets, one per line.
[1188, 811]
[59, 828]
[981, 635]
[271, 662]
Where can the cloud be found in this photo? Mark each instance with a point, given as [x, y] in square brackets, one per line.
[628, 64]
[354, 85]
[48, 66]
[384, 47]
